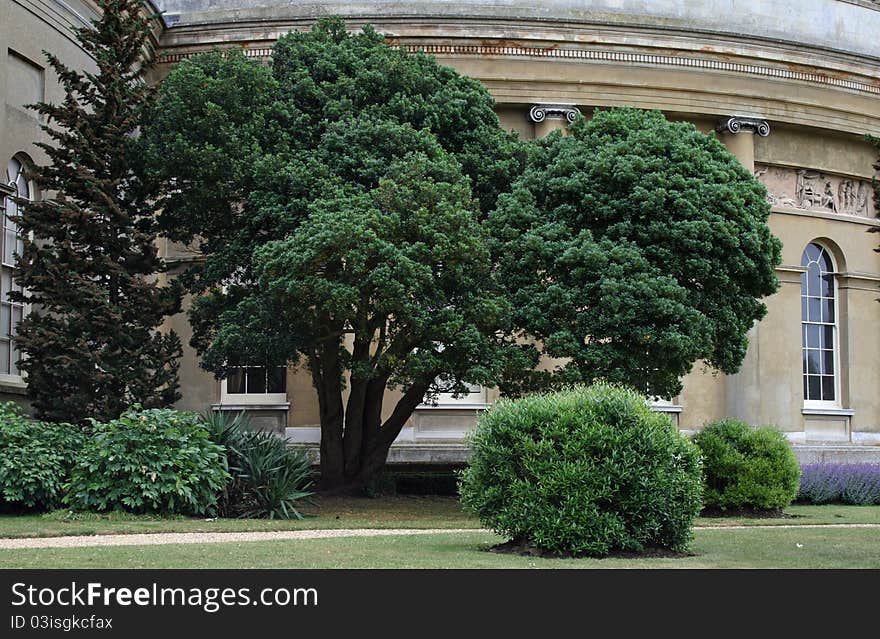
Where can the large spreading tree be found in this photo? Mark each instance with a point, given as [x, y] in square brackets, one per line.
[89, 264]
[632, 248]
[361, 211]
[338, 198]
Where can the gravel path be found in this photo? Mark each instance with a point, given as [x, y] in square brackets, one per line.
[158, 539]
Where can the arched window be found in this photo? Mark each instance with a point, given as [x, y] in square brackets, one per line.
[819, 328]
[10, 245]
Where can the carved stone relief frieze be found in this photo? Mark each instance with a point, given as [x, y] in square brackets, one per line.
[810, 190]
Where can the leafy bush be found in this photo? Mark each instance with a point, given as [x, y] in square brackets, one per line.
[149, 461]
[856, 484]
[583, 471]
[747, 468]
[268, 478]
[35, 459]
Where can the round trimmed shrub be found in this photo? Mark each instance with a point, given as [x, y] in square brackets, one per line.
[35, 460]
[586, 471]
[149, 461]
[747, 468]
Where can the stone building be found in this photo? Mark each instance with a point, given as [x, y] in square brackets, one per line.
[791, 87]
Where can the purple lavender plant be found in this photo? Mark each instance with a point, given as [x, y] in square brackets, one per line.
[857, 484]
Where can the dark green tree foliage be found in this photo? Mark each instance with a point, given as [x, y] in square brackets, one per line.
[89, 262]
[632, 248]
[337, 198]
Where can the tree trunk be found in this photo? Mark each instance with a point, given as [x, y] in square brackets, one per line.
[342, 471]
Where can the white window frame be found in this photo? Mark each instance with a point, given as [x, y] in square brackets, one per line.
[836, 403]
[255, 399]
[476, 399]
[11, 190]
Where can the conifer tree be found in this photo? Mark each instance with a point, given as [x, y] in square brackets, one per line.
[89, 265]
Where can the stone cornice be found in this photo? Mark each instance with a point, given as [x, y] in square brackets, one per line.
[848, 26]
[818, 77]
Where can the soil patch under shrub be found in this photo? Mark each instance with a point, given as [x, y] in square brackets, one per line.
[526, 549]
[746, 513]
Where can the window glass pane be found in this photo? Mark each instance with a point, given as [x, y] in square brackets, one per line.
[5, 315]
[277, 379]
[811, 254]
[828, 388]
[16, 318]
[813, 362]
[9, 247]
[813, 335]
[828, 311]
[4, 356]
[828, 362]
[804, 308]
[827, 286]
[813, 287]
[235, 381]
[16, 358]
[256, 379]
[815, 387]
[827, 337]
[5, 281]
[814, 313]
[806, 395]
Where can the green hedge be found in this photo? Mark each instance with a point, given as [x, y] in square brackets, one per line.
[584, 471]
[35, 460]
[149, 461]
[747, 468]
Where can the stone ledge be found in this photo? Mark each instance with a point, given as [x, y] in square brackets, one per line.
[439, 454]
[452, 453]
[837, 454]
[10, 388]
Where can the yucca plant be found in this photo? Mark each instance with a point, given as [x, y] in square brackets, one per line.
[268, 478]
[276, 477]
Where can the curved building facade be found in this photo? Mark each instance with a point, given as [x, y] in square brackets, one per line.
[791, 87]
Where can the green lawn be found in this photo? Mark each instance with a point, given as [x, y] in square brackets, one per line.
[342, 512]
[335, 512]
[713, 548]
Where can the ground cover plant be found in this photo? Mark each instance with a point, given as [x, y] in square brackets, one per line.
[591, 470]
[747, 468]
